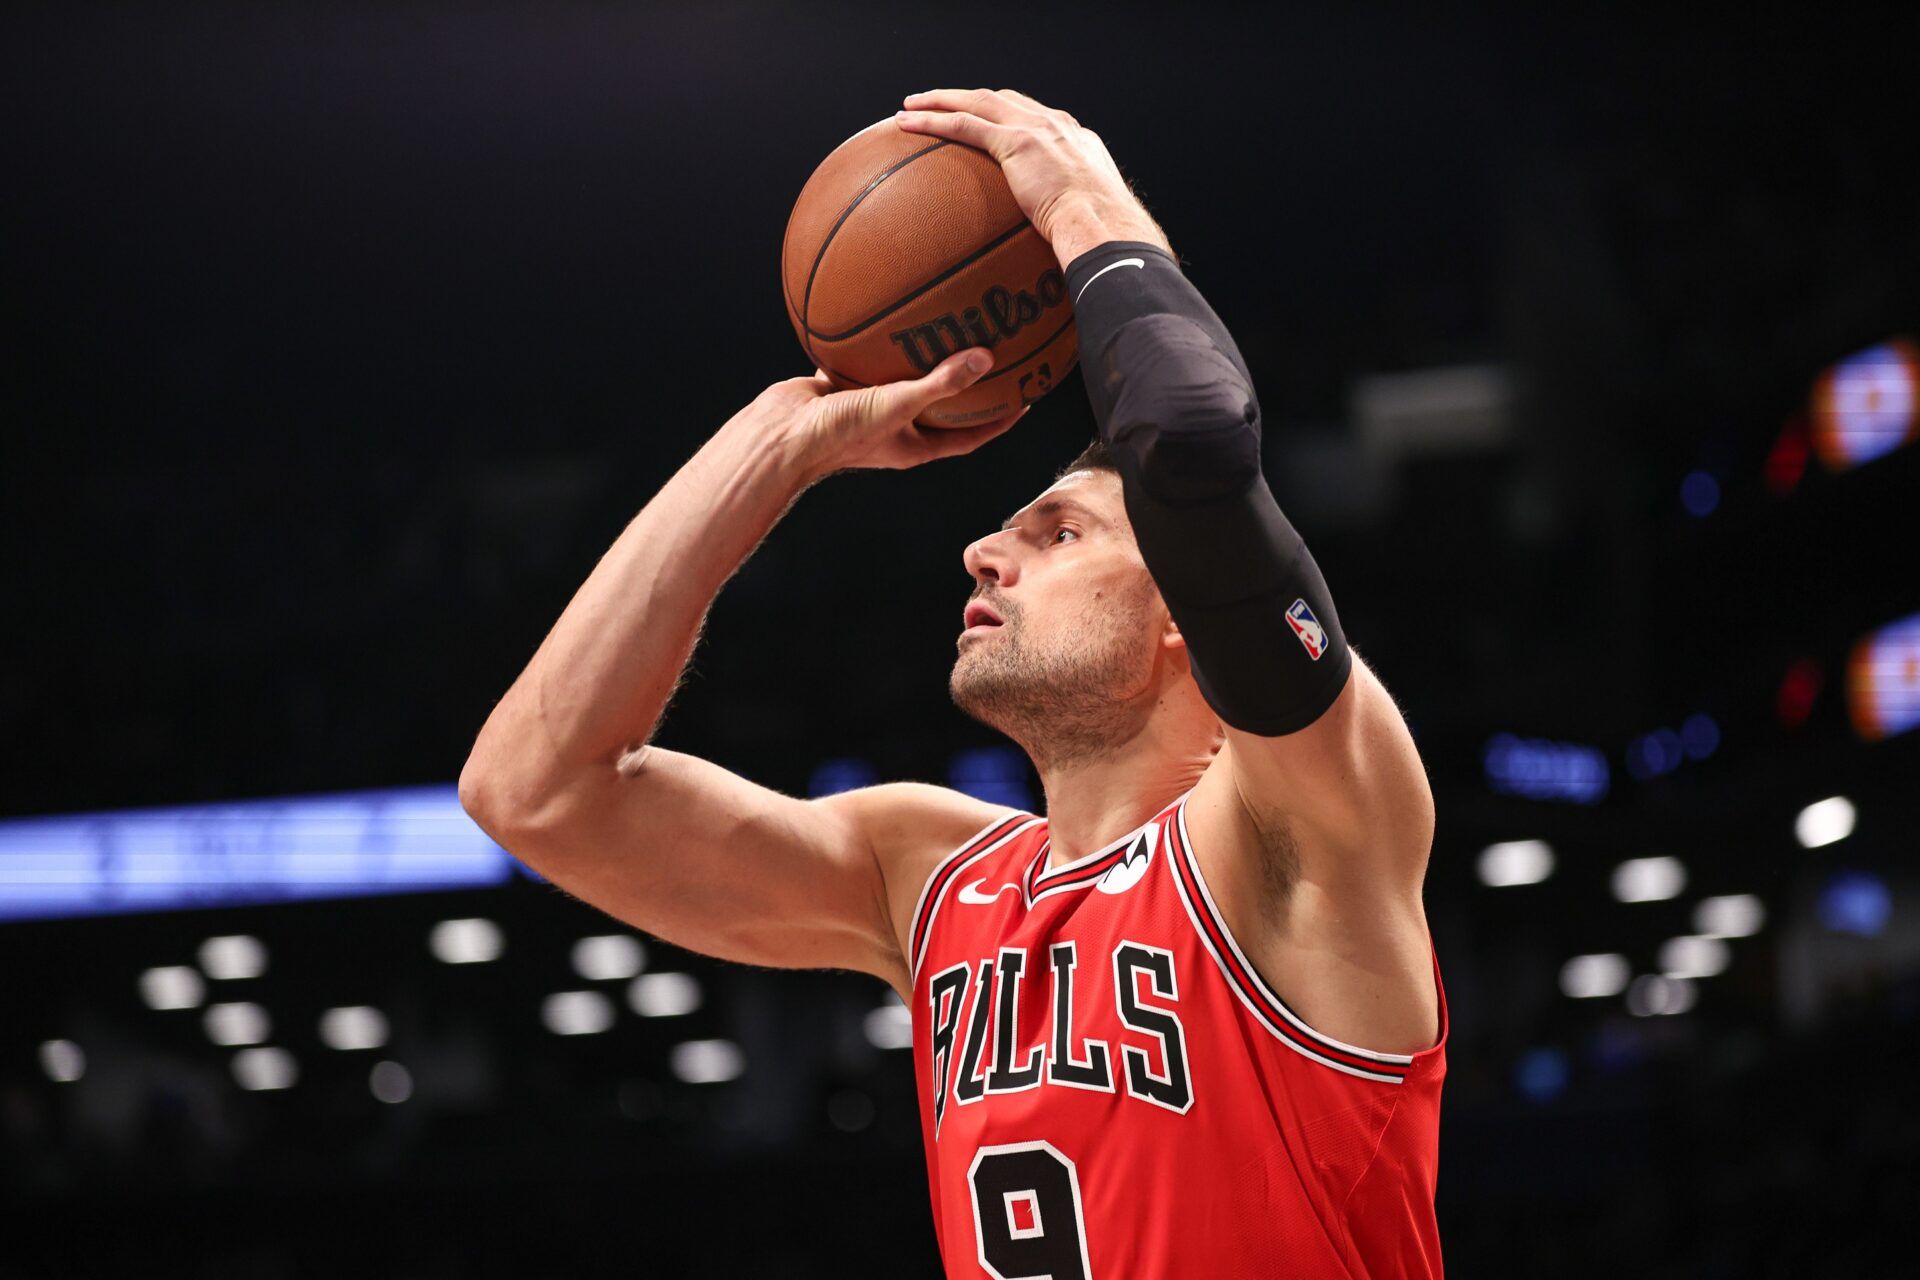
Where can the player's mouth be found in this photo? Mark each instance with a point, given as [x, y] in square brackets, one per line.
[979, 618]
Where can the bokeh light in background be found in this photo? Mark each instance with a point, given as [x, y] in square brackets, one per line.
[1867, 405]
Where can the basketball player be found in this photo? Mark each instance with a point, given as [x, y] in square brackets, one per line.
[1190, 1022]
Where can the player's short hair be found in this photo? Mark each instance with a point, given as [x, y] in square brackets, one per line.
[1095, 457]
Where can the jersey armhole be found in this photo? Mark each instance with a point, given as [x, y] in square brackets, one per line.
[1266, 1006]
[979, 844]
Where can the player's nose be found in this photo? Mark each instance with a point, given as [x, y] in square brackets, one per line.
[988, 559]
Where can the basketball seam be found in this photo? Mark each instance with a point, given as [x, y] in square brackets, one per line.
[922, 287]
[806, 302]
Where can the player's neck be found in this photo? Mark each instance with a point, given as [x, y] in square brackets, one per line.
[1092, 804]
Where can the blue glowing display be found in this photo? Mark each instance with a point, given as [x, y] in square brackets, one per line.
[1543, 770]
[330, 846]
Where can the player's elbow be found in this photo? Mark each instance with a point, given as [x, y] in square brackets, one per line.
[1185, 420]
[511, 793]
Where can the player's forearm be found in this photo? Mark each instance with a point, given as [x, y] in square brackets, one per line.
[600, 681]
[1175, 403]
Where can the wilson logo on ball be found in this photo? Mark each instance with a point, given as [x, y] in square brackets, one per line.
[1001, 314]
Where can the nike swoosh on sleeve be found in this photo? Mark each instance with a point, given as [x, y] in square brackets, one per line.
[1123, 262]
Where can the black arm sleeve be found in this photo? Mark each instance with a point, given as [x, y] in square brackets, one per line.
[1175, 406]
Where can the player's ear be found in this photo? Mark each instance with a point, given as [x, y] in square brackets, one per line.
[1170, 637]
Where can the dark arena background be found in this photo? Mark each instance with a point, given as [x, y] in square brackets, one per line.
[341, 339]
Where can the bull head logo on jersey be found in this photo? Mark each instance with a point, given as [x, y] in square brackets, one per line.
[1126, 873]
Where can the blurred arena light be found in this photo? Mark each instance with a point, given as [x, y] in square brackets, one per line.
[1649, 879]
[1700, 494]
[1590, 976]
[847, 773]
[172, 987]
[353, 1027]
[1543, 770]
[63, 1061]
[577, 1013]
[997, 775]
[239, 1023]
[262, 1070]
[1693, 956]
[1653, 754]
[1799, 690]
[1866, 406]
[1824, 822]
[1732, 915]
[707, 1061]
[233, 958]
[1786, 461]
[1883, 680]
[1654, 995]
[1515, 862]
[1856, 902]
[1541, 1074]
[890, 1027]
[609, 957]
[471, 941]
[1440, 410]
[244, 852]
[664, 995]
[391, 1083]
[1699, 735]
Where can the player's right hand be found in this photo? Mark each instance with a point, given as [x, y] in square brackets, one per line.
[874, 427]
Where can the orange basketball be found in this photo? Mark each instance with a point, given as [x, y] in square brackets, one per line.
[903, 249]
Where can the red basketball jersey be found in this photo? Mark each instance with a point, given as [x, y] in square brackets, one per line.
[1108, 1089]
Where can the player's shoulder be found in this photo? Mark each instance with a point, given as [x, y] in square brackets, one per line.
[911, 826]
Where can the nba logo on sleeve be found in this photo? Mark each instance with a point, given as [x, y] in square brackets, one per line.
[1308, 628]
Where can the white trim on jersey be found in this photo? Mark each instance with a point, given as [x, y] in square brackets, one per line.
[1184, 851]
[931, 909]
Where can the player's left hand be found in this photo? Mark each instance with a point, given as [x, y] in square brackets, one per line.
[1060, 172]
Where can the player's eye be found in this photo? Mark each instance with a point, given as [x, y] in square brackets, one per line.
[1065, 529]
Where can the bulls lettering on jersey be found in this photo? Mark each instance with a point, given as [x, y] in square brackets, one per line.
[1109, 1089]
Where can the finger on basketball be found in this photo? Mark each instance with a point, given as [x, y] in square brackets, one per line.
[984, 103]
[956, 126]
[954, 374]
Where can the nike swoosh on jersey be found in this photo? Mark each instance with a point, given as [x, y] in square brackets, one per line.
[971, 892]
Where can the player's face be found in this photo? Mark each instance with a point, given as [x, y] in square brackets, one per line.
[1079, 619]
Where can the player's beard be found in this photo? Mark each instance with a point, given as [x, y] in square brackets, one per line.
[1067, 696]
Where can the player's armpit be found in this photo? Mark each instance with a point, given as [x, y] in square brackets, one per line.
[705, 859]
[1350, 786]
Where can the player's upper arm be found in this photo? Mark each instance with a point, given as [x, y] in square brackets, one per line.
[1351, 785]
[707, 860]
